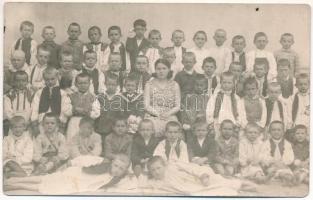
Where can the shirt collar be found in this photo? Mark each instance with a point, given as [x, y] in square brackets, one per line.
[277, 141]
[190, 72]
[89, 69]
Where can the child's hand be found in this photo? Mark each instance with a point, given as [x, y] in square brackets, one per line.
[205, 179]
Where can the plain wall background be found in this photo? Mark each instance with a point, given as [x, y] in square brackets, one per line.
[234, 18]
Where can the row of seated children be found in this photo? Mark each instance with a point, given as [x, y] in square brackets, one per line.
[250, 155]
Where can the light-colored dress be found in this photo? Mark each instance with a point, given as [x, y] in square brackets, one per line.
[162, 100]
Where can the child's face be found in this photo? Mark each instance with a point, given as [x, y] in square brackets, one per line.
[157, 170]
[274, 93]
[209, 68]
[227, 130]
[201, 131]
[18, 61]
[18, 128]
[140, 31]
[94, 36]
[251, 90]
[161, 71]
[261, 42]
[259, 71]
[300, 135]
[170, 56]
[130, 86]
[220, 38]
[115, 62]
[67, 62]
[43, 57]
[111, 86]
[48, 34]
[85, 130]
[303, 85]
[200, 86]
[21, 82]
[114, 36]
[90, 60]
[252, 133]
[27, 31]
[276, 131]
[200, 40]
[82, 84]
[141, 64]
[173, 133]
[178, 39]
[227, 83]
[50, 124]
[155, 39]
[286, 42]
[239, 45]
[51, 79]
[146, 130]
[73, 32]
[189, 62]
[236, 70]
[118, 168]
[120, 127]
[283, 71]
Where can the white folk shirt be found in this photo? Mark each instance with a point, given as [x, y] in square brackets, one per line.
[36, 76]
[153, 55]
[160, 151]
[19, 106]
[220, 54]
[179, 55]
[262, 54]
[102, 56]
[303, 115]
[201, 54]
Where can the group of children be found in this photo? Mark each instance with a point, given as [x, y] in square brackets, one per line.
[241, 114]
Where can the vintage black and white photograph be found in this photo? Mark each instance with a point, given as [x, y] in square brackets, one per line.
[146, 99]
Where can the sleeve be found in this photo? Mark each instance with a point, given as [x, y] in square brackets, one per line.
[228, 61]
[74, 147]
[183, 152]
[108, 153]
[97, 150]
[219, 158]
[287, 113]
[210, 109]
[272, 72]
[104, 60]
[177, 100]
[128, 67]
[212, 152]
[236, 157]
[63, 153]
[262, 122]
[190, 150]
[95, 109]
[149, 109]
[242, 118]
[35, 106]
[7, 108]
[265, 154]
[27, 156]
[160, 150]
[250, 61]
[5, 148]
[288, 156]
[101, 88]
[128, 45]
[66, 108]
[37, 149]
[135, 153]
[33, 52]
[129, 148]
[297, 63]
[243, 158]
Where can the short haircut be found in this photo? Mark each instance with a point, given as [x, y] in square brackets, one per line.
[20, 73]
[200, 121]
[259, 34]
[254, 125]
[200, 77]
[300, 126]
[86, 120]
[238, 37]
[220, 30]
[189, 54]
[250, 81]
[261, 61]
[163, 61]
[153, 160]
[143, 56]
[283, 62]
[209, 60]
[65, 54]
[90, 51]
[227, 74]
[43, 48]
[273, 85]
[154, 32]
[276, 122]
[94, 28]
[74, 24]
[17, 119]
[237, 64]
[118, 118]
[177, 31]
[131, 78]
[115, 54]
[47, 27]
[200, 32]
[302, 76]
[226, 121]
[51, 115]
[140, 22]
[50, 70]
[82, 75]
[173, 124]
[286, 35]
[167, 50]
[116, 28]
[146, 121]
[26, 23]
[111, 77]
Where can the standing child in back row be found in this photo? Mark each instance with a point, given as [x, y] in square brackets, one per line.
[178, 37]
[237, 54]
[26, 43]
